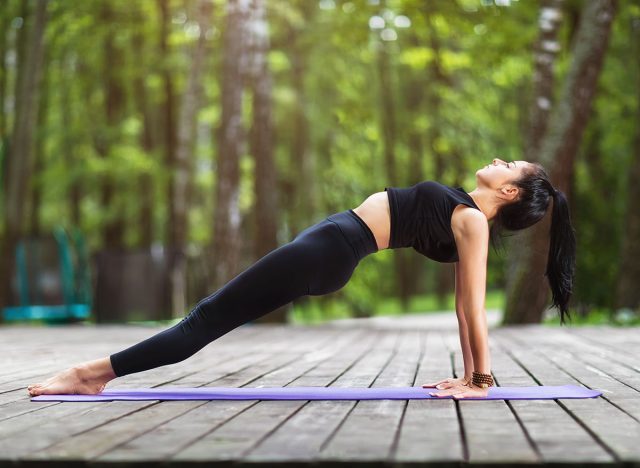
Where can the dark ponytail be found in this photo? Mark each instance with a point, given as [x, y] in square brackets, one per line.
[536, 194]
[562, 254]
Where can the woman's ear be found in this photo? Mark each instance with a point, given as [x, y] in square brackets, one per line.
[510, 192]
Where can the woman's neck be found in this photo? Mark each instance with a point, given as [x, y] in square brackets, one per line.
[486, 201]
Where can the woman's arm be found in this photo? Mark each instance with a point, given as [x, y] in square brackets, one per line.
[472, 239]
[463, 328]
[471, 232]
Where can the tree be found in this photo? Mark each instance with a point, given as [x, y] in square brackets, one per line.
[181, 172]
[261, 142]
[230, 142]
[168, 112]
[558, 151]
[148, 140]
[546, 51]
[19, 161]
[628, 293]
[106, 137]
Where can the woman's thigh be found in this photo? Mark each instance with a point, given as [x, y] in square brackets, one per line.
[318, 261]
[329, 261]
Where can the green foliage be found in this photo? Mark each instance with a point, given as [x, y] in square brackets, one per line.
[460, 77]
[334, 307]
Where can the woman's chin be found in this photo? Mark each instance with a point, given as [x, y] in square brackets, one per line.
[481, 178]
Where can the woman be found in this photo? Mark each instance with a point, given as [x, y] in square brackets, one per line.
[445, 224]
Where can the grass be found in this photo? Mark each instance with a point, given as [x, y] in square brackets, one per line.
[596, 316]
[316, 311]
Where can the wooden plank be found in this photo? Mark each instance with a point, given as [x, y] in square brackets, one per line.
[609, 427]
[45, 423]
[20, 406]
[369, 430]
[301, 437]
[506, 441]
[430, 431]
[55, 352]
[91, 440]
[604, 344]
[169, 438]
[572, 355]
[602, 430]
[623, 340]
[541, 420]
[231, 440]
[20, 399]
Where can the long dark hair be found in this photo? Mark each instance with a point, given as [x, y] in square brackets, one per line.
[536, 193]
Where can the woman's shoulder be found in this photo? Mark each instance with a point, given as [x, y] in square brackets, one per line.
[469, 221]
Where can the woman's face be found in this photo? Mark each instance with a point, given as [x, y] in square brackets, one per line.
[500, 173]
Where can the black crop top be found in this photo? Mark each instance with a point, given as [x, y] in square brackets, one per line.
[421, 218]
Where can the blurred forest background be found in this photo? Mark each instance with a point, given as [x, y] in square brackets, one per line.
[152, 150]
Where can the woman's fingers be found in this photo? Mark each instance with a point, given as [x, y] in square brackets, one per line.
[453, 391]
[440, 394]
[435, 383]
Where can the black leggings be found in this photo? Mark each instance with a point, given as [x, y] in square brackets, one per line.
[320, 260]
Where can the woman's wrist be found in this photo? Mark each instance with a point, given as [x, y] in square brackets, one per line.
[482, 380]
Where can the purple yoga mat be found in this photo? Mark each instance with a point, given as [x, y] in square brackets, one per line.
[321, 393]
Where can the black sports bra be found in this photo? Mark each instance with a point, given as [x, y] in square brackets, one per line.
[421, 218]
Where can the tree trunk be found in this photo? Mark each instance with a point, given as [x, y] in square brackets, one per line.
[147, 141]
[627, 292]
[182, 180]
[413, 265]
[20, 154]
[299, 189]
[231, 140]
[302, 203]
[168, 123]
[444, 277]
[388, 132]
[21, 46]
[258, 77]
[558, 151]
[114, 226]
[39, 151]
[6, 16]
[69, 138]
[545, 52]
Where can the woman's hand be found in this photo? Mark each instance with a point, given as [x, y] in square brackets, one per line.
[463, 391]
[448, 383]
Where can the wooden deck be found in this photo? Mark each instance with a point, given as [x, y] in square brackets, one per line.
[597, 431]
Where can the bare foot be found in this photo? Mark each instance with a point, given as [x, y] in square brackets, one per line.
[87, 379]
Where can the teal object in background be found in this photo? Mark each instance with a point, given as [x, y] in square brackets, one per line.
[49, 313]
[52, 279]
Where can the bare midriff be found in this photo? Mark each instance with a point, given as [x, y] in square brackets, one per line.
[375, 212]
